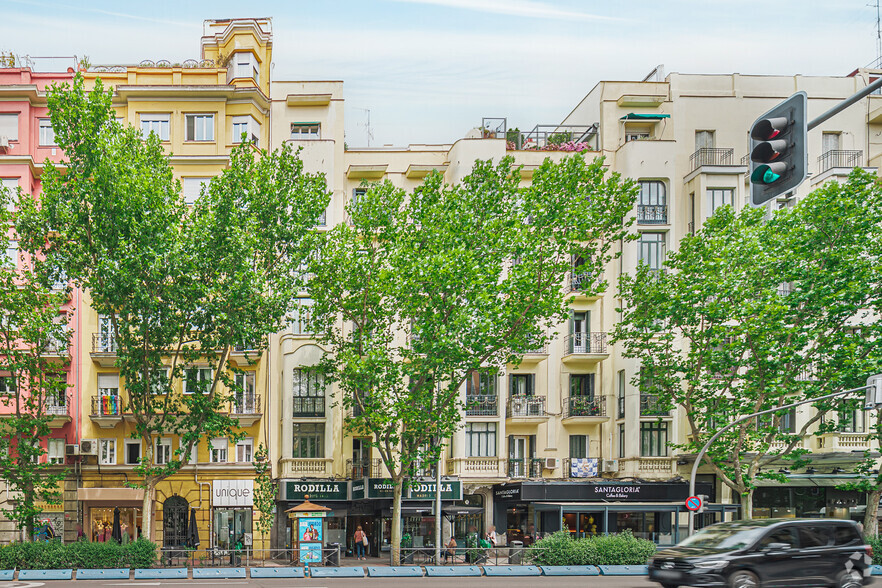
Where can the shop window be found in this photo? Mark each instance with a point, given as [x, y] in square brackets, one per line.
[309, 440]
[107, 451]
[133, 452]
[55, 451]
[245, 450]
[480, 439]
[163, 452]
[219, 450]
[654, 439]
[231, 526]
[100, 523]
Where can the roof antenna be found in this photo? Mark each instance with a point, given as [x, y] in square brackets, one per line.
[370, 133]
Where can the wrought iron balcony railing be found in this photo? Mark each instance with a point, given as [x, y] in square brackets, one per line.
[524, 467]
[525, 406]
[584, 406]
[107, 405]
[839, 158]
[652, 214]
[651, 406]
[309, 406]
[585, 343]
[581, 280]
[365, 469]
[103, 343]
[710, 156]
[58, 405]
[482, 405]
[245, 404]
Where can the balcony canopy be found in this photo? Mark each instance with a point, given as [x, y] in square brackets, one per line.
[645, 117]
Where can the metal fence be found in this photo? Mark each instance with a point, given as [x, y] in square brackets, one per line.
[514, 554]
[181, 557]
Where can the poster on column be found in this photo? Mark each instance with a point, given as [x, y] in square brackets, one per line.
[310, 553]
[309, 529]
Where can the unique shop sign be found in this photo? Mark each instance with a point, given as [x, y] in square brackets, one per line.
[382, 488]
[232, 493]
[297, 491]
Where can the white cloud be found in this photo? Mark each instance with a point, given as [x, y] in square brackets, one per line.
[525, 8]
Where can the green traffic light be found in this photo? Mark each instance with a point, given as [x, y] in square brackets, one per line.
[763, 174]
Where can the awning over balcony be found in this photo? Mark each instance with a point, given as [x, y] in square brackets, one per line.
[644, 117]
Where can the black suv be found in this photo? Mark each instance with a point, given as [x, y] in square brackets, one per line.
[768, 552]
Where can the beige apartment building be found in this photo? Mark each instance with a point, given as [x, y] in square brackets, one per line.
[565, 440]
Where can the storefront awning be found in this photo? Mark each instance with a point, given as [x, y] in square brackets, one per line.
[419, 509]
[453, 511]
[646, 117]
[114, 496]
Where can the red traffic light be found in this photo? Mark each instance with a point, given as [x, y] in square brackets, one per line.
[769, 128]
[768, 151]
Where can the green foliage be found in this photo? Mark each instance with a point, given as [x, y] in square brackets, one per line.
[54, 555]
[876, 543]
[618, 549]
[33, 329]
[264, 490]
[751, 314]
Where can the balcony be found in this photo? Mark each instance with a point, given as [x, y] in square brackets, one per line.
[581, 280]
[837, 158]
[710, 156]
[245, 408]
[318, 467]
[482, 405]
[652, 214]
[58, 409]
[476, 467]
[584, 406]
[309, 407]
[527, 407]
[579, 467]
[659, 466]
[104, 349]
[244, 355]
[58, 351]
[524, 467]
[842, 441]
[651, 406]
[585, 347]
[370, 468]
[107, 408]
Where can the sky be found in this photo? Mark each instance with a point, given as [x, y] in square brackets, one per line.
[428, 71]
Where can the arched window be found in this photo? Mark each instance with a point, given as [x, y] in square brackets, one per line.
[174, 521]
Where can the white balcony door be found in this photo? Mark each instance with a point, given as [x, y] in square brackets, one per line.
[518, 448]
[581, 328]
[105, 334]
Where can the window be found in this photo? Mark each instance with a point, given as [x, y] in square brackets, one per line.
[248, 126]
[245, 65]
[219, 450]
[11, 184]
[718, 198]
[9, 126]
[830, 142]
[481, 383]
[55, 451]
[155, 123]
[480, 439]
[301, 316]
[652, 193]
[309, 393]
[107, 451]
[578, 446]
[652, 250]
[163, 453]
[851, 421]
[522, 384]
[47, 133]
[192, 189]
[7, 386]
[200, 127]
[786, 421]
[197, 380]
[159, 381]
[306, 131]
[133, 452]
[309, 440]
[620, 397]
[582, 385]
[622, 440]
[654, 439]
[637, 133]
[12, 252]
[357, 195]
[245, 450]
[705, 140]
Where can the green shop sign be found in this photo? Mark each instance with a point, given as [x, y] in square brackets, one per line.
[296, 490]
[382, 488]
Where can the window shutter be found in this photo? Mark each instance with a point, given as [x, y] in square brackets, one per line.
[511, 446]
[532, 448]
[9, 126]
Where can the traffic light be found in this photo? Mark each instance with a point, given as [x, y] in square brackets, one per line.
[778, 154]
[704, 498]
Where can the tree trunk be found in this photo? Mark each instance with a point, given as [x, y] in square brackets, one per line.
[871, 523]
[396, 522]
[147, 510]
[747, 504]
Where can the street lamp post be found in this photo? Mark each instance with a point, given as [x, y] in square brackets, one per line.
[874, 400]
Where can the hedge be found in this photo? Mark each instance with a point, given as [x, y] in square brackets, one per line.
[53, 555]
[876, 544]
[601, 550]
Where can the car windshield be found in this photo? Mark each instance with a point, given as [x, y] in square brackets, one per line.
[723, 537]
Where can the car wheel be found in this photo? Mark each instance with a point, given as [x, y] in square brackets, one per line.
[851, 579]
[670, 586]
[744, 579]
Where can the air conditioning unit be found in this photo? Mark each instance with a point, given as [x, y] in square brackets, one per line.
[4, 142]
[88, 447]
[72, 449]
[610, 465]
[519, 407]
[550, 463]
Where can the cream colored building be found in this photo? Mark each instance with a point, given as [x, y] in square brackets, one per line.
[541, 437]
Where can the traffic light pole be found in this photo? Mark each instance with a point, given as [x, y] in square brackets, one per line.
[845, 104]
[716, 436]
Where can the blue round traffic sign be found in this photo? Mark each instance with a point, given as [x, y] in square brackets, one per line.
[693, 503]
